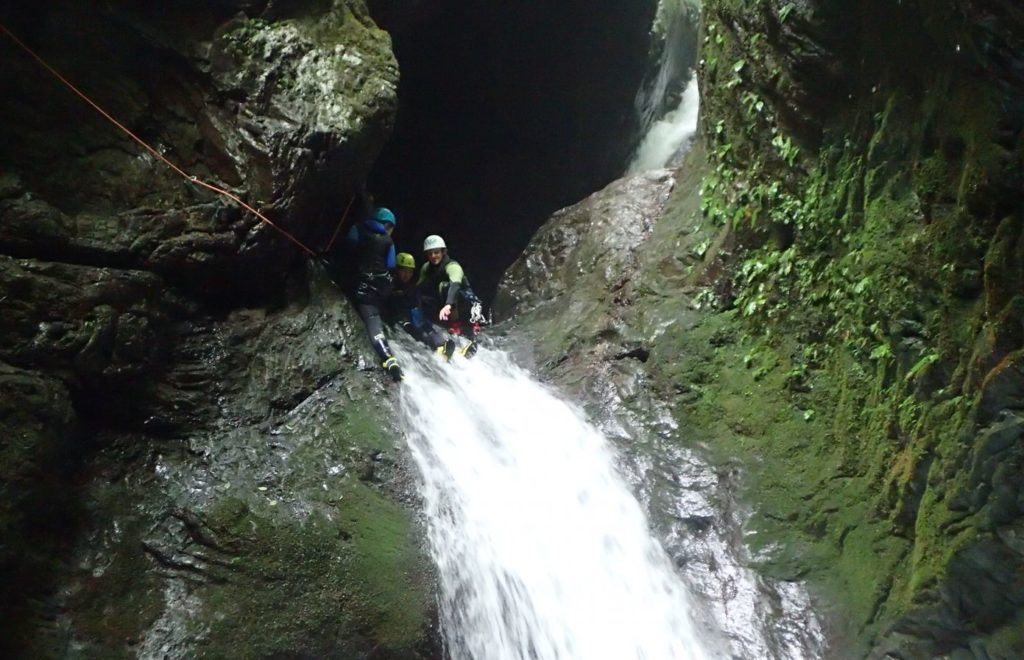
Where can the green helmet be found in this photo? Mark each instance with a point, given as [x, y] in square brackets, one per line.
[434, 242]
[405, 260]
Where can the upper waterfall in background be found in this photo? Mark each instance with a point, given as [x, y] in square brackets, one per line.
[668, 100]
[669, 136]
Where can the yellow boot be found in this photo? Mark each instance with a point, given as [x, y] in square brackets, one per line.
[391, 366]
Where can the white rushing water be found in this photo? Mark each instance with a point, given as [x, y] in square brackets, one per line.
[543, 552]
[669, 135]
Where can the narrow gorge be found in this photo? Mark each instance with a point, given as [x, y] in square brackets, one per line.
[777, 345]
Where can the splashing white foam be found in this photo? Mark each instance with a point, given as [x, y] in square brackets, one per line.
[543, 552]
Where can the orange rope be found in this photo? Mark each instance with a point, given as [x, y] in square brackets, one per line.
[150, 149]
[340, 224]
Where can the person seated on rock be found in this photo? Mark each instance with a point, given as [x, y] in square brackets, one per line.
[373, 254]
[404, 308]
[446, 294]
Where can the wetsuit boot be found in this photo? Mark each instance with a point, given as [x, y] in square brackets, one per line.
[471, 334]
[447, 349]
[388, 361]
[470, 349]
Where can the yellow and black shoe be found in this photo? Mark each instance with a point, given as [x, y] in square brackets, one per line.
[447, 349]
[391, 366]
[469, 350]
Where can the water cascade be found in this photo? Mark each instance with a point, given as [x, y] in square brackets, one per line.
[668, 100]
[542, 550]
[670, 135]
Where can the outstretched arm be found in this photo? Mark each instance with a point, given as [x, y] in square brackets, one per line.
[455, 278]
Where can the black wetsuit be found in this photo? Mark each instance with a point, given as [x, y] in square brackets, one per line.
[374, 253]
[404, 308]
[447, 284]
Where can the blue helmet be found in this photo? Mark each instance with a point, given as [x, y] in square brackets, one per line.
[383, 215]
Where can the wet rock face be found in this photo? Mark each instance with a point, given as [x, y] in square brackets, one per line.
[106, 248]
[594, 242]
[286, 108]
[817, 62]
[187, 437]
[914, 109]
[37, 455]
[275, 525]
[598, 303]
[103, 326]
[898, 505]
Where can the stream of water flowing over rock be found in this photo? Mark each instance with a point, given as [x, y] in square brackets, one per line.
[542, 550]
[670, 136]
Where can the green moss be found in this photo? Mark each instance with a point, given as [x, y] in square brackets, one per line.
[384, 557]
[871, 277]
[814, 518]
[335, 583]
[1008, 642]
[323, 563]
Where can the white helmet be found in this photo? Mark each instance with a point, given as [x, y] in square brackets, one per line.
[434, 242]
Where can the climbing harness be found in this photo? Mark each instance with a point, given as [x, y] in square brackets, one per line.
[188, 177]
[476, 313]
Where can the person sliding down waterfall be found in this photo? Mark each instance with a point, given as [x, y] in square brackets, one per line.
[446, 294]
[405, 308]
[374, 253]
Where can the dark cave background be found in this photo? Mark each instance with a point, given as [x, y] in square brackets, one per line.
[508, 111]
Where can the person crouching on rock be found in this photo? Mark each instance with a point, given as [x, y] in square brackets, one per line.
[374, 253]
[446, 294]
[405, 309]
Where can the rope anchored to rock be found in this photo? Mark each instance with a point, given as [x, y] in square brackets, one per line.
[188, 177]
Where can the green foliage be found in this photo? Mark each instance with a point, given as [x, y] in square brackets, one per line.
[786, 149]
[871, 249]
[920, 365]
[881, 352]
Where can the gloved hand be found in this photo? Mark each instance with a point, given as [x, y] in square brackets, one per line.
[476, 313]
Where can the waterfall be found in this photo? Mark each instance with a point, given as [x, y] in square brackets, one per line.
[542, 550]
[669, 135]
[668, 99]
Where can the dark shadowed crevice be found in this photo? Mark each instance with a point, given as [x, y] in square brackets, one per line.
[507, 112]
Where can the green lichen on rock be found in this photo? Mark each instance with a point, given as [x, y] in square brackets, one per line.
[159, 342]
[331, 70]
[878, 261]
[289, 537]
[337, 584]
[304, 545]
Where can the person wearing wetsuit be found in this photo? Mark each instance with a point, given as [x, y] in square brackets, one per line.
[405, 309]
[446, 294]
[374, 255]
